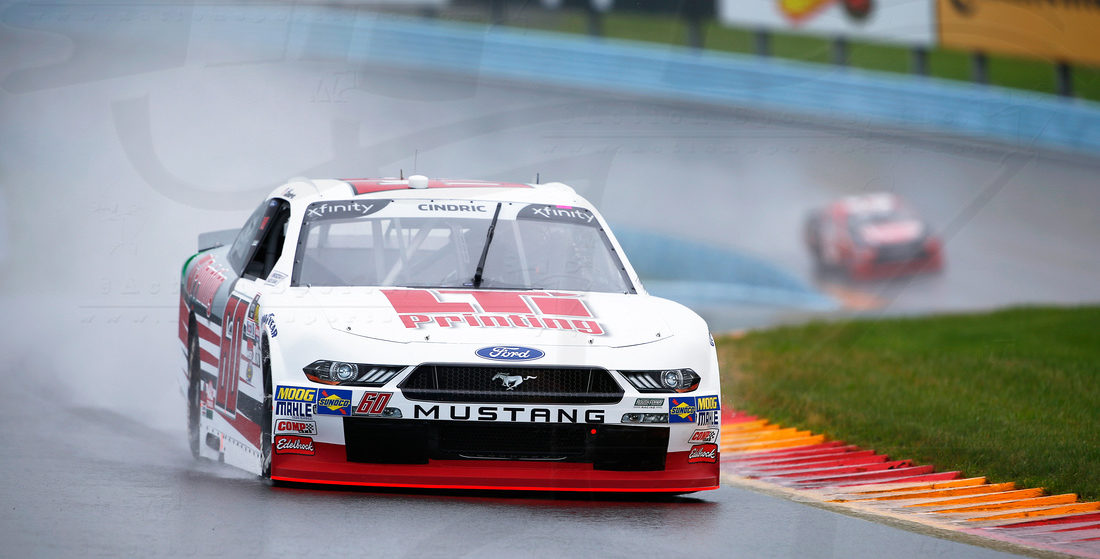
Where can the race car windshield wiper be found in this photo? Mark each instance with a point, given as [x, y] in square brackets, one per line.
[485, 249]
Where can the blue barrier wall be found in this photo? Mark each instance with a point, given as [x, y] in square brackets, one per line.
[697, 274]
[293, 30]
[984, 112]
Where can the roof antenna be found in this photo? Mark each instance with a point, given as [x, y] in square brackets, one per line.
[401, 174]
[536, 178]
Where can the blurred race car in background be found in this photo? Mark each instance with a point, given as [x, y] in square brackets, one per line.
[871, 236]
[442, 334]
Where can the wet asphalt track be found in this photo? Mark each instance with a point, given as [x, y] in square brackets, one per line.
[112, 164]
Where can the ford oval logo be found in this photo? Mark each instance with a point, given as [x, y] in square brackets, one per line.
[510, 353]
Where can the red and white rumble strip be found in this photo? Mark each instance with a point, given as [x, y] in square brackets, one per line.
[758, 453]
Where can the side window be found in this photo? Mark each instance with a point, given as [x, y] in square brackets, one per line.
[269, 244]
[247, 239]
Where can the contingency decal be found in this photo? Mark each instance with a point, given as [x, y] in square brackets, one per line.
[567, 214]
[333, 402]
[295, 402]
[708, 411]
[707, 453]
[292, 444]
[544, 310]
[704, 436]
[344, 210]
[295, 427]
[275, 278]
[681, 410]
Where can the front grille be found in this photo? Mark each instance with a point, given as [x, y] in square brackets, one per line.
[514, 441]
[606, 447]
[900, 252]
[504, 384]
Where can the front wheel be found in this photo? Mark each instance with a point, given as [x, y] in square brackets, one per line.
[266, 417]
[194, 394]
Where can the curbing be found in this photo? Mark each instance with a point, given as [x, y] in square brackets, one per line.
[796, 463]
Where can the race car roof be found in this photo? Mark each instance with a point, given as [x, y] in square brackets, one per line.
[367, 186]
[308, 191]
[877, 202]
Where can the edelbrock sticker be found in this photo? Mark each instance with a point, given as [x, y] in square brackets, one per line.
[291, 444]
[707, 453]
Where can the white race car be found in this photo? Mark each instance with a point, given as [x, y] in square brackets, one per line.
[442, 334]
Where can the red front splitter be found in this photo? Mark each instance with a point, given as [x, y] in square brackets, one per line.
[329, 466]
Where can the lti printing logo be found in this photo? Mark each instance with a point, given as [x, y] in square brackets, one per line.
[540, 310]
[681, 410]
[510, 353]
[707, 453]
[290, 444]
[334, 402]
[708, 411]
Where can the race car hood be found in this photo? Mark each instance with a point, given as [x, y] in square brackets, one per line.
[892, 232]
[548, 318]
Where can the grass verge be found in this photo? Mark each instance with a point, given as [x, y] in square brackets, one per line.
[1033, 75]
[1013, 395]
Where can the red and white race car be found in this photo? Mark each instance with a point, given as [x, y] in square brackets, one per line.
[442, 334]
[872, 236]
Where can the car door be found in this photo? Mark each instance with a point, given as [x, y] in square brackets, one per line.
[239, 388]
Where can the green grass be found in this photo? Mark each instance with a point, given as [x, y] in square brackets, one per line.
[949, 64]
[1013, 395]
[1021, 74]
[885, 58]
[1086, 82]
[645, 27]
[729, 39]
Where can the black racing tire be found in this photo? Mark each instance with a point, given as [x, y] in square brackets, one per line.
[266, 416]
[194, 391]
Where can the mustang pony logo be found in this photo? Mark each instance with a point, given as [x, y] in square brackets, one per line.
[511, 381]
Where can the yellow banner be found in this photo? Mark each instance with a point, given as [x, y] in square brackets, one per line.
[1052, 30]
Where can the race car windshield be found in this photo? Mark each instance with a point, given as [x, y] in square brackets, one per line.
[886, 227]
[416, 243]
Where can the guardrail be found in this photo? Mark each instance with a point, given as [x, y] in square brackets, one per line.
[988, 113]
